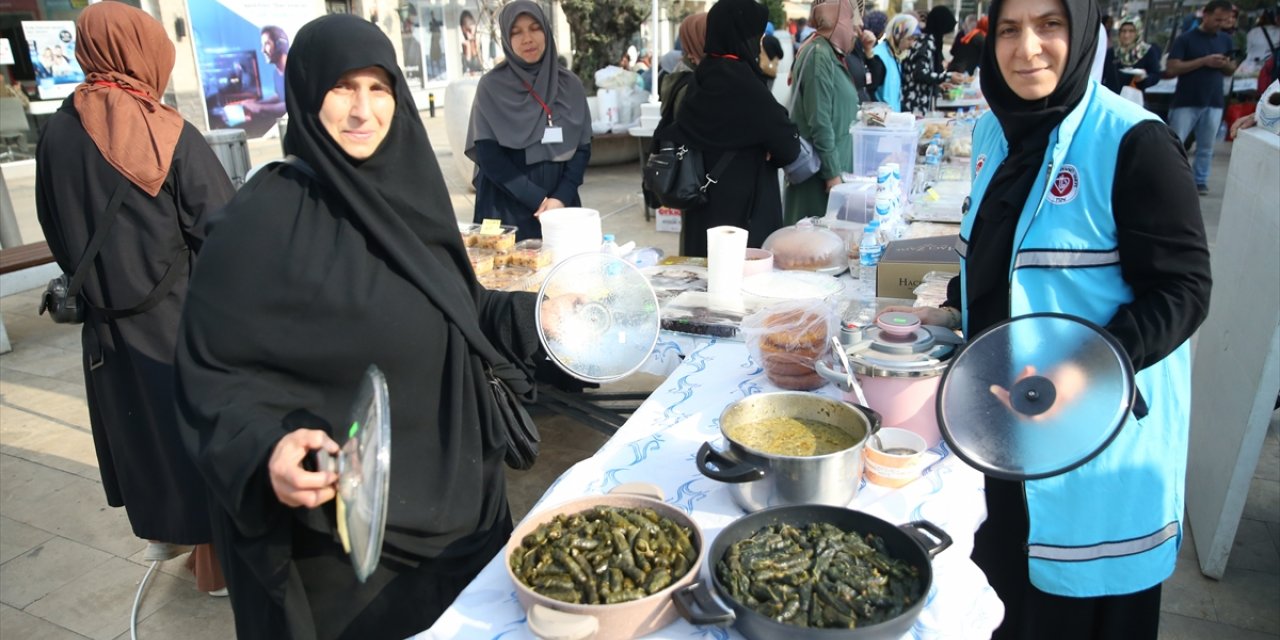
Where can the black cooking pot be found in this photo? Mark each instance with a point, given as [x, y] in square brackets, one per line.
[915, 543]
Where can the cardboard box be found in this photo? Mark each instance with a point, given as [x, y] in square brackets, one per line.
[668, 220]
[905, 262]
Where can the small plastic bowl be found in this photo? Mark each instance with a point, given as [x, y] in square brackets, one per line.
[757, 261]
[900, 467]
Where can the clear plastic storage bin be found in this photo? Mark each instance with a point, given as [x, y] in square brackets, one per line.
[853, 201]
[874, 146]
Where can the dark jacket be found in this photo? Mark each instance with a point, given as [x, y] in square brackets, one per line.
[128, 362]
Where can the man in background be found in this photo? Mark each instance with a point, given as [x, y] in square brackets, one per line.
[1200, 60]
[275, 46]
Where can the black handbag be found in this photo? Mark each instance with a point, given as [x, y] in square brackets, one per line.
[674, 174]
[522, 432]
[62, 297]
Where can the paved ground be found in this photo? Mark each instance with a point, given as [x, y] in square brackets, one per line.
[69, 565]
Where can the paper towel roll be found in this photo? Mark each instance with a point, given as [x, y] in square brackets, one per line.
[726, 253]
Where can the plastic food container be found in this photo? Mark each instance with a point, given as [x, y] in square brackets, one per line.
[529, 254]
[468, 232]
[481, 259]
[853, 201]
[503, 240]
[507, 278]
[874, 146]
[807, 247]
[900, 461]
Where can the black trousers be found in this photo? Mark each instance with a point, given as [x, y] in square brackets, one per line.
[1031, 614]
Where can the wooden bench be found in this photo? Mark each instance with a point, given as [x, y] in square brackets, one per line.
[24, 257]
[15, 259]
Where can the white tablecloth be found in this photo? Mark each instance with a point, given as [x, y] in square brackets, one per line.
[658, 445]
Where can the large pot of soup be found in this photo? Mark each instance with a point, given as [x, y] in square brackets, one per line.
[790, 448]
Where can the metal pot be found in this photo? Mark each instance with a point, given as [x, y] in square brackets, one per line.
[550, 618]
[915, 543]
[758, 480]
[898, 363]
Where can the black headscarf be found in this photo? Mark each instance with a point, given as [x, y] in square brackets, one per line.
[728, 103]
[734, 28]
[505, 111]
[398, 192]
[940, 22]
[1027, 125]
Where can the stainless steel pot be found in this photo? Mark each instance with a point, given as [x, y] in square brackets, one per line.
[758, 480]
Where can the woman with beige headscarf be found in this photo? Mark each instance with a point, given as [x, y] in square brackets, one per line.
[115, 153]
[693, 37]
[824, 104]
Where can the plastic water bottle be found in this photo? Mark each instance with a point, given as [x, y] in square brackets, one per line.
[869, 252]
[609, 246]
[884, 213]
[933, 159]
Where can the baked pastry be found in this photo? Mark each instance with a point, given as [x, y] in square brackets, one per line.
[807, 382]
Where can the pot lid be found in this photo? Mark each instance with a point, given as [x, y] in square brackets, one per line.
[897, 345]
[601, 319]
[1035, 396]
[363, 466]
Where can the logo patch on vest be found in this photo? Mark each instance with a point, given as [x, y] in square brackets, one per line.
[977, 167]
[1064, 188]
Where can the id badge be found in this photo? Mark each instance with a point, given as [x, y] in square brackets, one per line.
[552, 135]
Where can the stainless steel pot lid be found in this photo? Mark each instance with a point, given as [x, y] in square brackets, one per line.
[363, 466]
[603, 318]
[1035, 396]
[897, 345]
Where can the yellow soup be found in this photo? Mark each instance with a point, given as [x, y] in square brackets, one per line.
[791, 437]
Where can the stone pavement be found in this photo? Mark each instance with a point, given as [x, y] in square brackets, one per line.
[69, 565]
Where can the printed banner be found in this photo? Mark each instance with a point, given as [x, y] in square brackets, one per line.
[242, 47]
[52, 45]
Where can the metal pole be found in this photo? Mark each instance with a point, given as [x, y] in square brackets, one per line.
[654, 54]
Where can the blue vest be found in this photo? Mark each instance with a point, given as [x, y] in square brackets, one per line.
[890, 92]
[1113, 525]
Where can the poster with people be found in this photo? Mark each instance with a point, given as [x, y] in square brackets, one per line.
[242, 47]
[445, 40]
[52, 45]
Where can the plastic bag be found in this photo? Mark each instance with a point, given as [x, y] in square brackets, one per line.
[788, 338]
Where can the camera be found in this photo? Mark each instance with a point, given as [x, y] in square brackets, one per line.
[62, 307]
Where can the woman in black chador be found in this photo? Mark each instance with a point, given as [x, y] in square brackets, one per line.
[307, 280]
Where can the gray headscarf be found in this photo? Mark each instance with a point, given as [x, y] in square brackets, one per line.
[505, 111]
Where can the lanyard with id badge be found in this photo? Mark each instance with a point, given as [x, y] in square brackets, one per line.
[552, 134]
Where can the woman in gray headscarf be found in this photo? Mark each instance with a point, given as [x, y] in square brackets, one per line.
[530, 133]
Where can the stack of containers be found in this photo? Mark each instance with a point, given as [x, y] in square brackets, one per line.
[570, 231]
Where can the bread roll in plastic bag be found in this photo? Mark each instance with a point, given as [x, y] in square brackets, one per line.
[788, 338]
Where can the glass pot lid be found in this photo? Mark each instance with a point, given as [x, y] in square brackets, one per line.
[597, 317]
[897, 345]
[363, 465]
[1035, 396]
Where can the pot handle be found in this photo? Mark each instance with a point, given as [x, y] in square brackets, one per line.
[718, 466]
[697, 606]
[547, 623]
[840, 380]
[873, 416]
[929, 535]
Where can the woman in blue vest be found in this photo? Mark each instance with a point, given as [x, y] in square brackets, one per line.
[1082, 203]
[899, 35]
